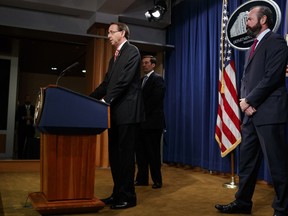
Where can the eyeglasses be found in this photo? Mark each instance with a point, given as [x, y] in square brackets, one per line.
[112, 32]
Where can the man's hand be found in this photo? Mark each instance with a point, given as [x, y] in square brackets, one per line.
[246, 108]
[243, 104]
[250, 111]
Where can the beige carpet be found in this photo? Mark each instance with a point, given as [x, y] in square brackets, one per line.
[186, 191]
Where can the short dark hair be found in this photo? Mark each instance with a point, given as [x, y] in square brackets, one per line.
[122, 27]
[153, 59]
[265, 11]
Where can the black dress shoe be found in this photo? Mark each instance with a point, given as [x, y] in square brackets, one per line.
[234, 207]
[276, 213]
[123, 205]
[156, 185]
[109, 200]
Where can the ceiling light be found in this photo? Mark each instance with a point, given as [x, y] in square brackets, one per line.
[157, 12]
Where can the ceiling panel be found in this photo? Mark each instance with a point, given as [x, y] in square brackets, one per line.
[41, 50]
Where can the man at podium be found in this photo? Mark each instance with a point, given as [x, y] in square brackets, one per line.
[121, 88]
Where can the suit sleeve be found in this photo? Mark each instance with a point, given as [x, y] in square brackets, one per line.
[130, 61]
[100, 91]
[275, 62]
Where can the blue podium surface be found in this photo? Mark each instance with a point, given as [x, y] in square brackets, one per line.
[62, 111]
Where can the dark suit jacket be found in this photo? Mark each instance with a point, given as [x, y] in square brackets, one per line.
[263, 82]
[153, 96]
[22, 112]
[121, 87]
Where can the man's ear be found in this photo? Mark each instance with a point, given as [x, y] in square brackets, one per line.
[263, 20]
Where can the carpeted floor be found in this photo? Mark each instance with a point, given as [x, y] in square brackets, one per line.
[186, 191]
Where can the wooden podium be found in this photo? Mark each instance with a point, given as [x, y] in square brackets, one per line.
[68, 122]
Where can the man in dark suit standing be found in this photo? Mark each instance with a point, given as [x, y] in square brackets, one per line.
[26, 129]
[121, 88]
[264, 102]
[148, 149]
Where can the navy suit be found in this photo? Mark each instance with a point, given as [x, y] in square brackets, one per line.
[121, 88]
[263, 133]
[148, 148]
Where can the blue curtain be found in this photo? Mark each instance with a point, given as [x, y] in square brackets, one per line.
[191, 76]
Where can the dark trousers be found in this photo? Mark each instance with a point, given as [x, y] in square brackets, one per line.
[268, 141]
[148, 155]
[25, 137]
[122, 139]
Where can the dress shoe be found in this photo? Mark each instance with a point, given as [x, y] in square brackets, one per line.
[156, 185]
[123, 205]
[234, 207]
[136, 183]
[109, 200]
[277, 213]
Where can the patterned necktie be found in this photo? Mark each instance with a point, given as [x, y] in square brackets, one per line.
[253, 48]
[116, 54]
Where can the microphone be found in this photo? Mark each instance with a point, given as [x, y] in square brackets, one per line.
[64, 71]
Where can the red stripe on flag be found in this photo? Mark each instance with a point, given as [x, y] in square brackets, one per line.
[227, 130]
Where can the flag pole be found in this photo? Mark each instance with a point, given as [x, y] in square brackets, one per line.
[222, 48]
[232, 184]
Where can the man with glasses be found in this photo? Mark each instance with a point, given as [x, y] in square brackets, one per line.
[121, 88]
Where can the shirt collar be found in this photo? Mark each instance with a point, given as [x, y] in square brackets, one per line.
[260, 36]
[120, 46]
[148, 74]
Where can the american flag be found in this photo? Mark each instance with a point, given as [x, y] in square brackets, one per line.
[227, 132]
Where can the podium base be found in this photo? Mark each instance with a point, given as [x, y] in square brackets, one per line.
[45, 207]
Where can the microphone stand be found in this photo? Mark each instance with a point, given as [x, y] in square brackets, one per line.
[64, 71]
